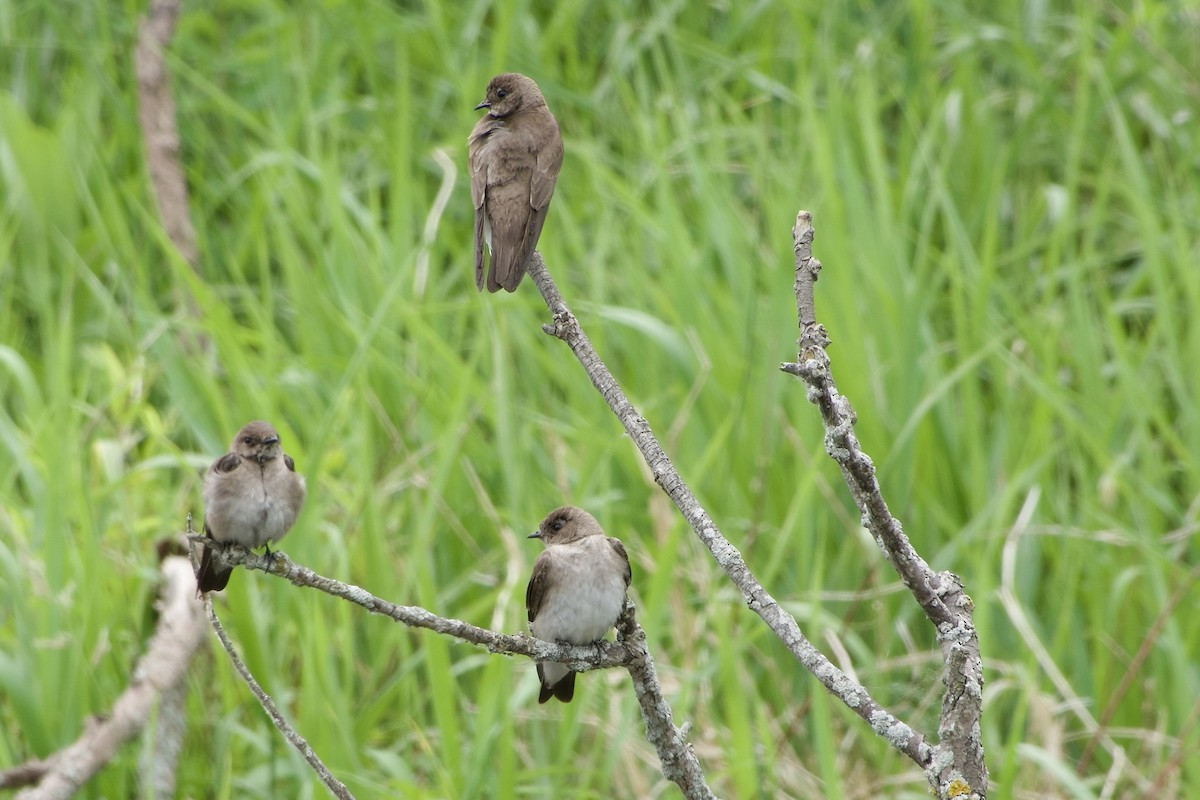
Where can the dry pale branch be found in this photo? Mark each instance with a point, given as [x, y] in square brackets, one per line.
[156, 115]
[566, 327]
[956, 767]
[679, 763]
[158, 761]
[335, 787]
[179, 632]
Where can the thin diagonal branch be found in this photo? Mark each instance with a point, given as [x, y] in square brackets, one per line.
[335, 787]
[957, 768]
[1133, 672]
[580, 658]
[566, 327]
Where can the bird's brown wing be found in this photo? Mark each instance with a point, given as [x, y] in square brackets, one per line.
[535, 592]
[208, 577]
[620, 548]
[542, 180]
[508, 209]
[479, 237]
[477, 165]
[226, 463]
[545, 173]
[476, 158]
[290, 463]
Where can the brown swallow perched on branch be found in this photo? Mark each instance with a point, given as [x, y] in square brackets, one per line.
[576, 592]
[252, 496]
[514, 155]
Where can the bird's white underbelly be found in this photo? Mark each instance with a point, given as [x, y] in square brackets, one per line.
[260, 520]
[580, 611]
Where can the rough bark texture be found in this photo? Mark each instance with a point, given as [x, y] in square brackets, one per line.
[956, 768]
[679, 762]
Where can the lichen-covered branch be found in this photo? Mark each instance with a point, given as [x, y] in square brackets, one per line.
[957, 767]
[566, 327]
[679, 762]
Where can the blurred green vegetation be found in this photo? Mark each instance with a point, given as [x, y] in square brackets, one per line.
[1006, 199]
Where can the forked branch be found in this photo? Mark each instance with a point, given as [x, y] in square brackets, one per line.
[957, 768]
[178, 634]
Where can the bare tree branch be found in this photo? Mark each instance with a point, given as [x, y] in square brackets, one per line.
[580, 658]
[179, 632]
[335, 787]
[156, 115]
[957, 767]
[566, 327]
[158, 760]
[679, 763]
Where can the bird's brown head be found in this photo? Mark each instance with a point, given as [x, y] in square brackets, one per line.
[509, 93]
[257, 441]
[566, 524]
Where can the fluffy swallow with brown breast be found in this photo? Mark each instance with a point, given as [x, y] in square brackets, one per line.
[514, 155]
[252, 495]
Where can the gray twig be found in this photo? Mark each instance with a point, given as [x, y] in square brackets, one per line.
[335, 787]
[679, 762]
[956, 767]
[580, 658]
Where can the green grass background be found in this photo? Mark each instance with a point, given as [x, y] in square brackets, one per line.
[1006, 202]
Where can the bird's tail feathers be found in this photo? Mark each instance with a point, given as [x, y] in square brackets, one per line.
[209, 578]
[563, 689]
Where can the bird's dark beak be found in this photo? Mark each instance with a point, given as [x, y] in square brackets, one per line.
[484, 104]
[534, 535]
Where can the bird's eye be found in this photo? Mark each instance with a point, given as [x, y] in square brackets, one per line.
[248, 439]
[558, 524]
[501, 93]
